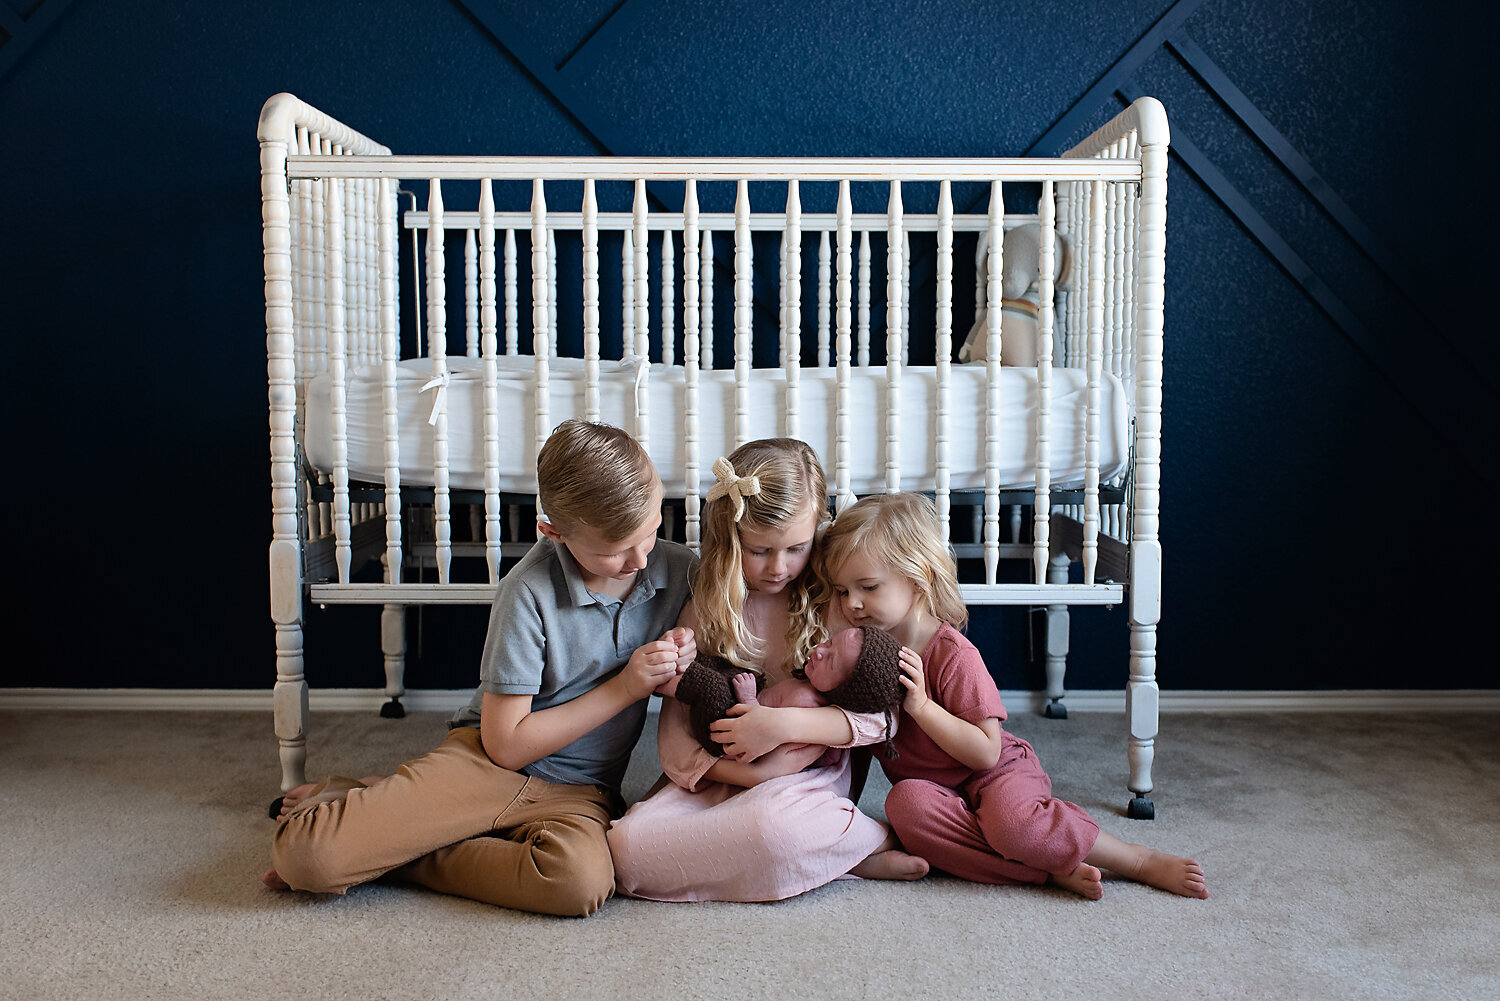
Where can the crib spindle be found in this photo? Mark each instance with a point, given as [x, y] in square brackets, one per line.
[825, 278]
[512, 312]
[590, 302]
[905, 298]
[642, 303]
[552, 291]
[1093, 369]
[488, 350]
[792, 290]
[336, 369]
[541, 349]
[844, 222]
[668, 299]
[390, 354]
[943, 354]
[1041, 524]
[642, 247]
[627, 293]
[864, 299]
[895, 322]
[706, 311]
[471, 294]
[992, 391]
[743, 315]
[690, 352]
[437, 346]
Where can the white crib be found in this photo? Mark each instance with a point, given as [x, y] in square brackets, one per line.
[390, 457]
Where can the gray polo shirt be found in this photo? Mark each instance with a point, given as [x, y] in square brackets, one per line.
[552, 638]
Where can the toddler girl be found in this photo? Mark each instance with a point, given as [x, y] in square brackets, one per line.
[966, 796]
[771, 818]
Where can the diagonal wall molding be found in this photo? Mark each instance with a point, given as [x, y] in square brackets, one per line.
[25, 32]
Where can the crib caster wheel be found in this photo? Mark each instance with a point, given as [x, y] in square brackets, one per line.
[393, 710]
[1055, 710]
[275, 808]
[1141, 808]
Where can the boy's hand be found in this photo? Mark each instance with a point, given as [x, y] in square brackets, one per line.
[915, 680]
[651, 665]
[747, 732]
[687, 650]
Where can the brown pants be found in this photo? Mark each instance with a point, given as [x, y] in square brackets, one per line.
[456, 822]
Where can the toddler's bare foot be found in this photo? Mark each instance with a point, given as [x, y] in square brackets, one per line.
[1086, 881]
[744, 688]
[1172, 873]
[275, 882]
[893, 863]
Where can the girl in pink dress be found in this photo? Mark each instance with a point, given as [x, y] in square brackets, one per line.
[772, 817]
[966, 796]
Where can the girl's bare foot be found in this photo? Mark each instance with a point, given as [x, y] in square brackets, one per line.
[893, 863]
[1086, 881]
[275, 882]
[1172, 873]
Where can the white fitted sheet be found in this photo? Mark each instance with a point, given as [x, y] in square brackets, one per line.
[666, 388]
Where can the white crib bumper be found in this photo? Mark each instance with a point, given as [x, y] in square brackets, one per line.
[767, 394]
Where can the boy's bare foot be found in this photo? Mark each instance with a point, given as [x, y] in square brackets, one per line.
[1086, 881]
[292, 797]
[893, 863]
[275, 882]
[296, 797]
[744, 688]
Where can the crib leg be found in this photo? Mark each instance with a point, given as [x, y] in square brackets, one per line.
[289, 704]
[1142, 697]
[1057, 643]
[393, 645]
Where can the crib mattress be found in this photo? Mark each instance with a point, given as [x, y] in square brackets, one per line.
[666, 390]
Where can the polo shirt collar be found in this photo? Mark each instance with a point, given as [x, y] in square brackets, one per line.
[652, 577]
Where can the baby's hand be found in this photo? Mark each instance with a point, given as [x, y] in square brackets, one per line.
[915, 680]
[653, 664]
[686, 646]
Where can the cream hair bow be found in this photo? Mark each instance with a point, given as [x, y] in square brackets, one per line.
[735, 486]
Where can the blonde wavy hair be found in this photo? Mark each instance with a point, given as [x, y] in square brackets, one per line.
[764, 485]
[901, 531]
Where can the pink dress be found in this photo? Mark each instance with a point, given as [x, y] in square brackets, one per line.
[704, 840]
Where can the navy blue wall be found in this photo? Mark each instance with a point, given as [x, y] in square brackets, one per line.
[1325, 493]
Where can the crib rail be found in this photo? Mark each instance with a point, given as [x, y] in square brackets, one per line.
[331, 256]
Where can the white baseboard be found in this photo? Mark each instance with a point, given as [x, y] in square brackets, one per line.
[448, 700]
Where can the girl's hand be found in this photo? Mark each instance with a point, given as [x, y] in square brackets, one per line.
[748, 732]
[915, 680]
[653, 664]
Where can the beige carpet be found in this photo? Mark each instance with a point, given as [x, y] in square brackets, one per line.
[1349, 856]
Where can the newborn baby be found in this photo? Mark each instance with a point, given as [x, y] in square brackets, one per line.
[857, 669]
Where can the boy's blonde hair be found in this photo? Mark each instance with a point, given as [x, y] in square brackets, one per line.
[596, 476]
[790, 483]
[901, 531]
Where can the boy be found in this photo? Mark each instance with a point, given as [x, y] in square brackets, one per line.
[513, 806]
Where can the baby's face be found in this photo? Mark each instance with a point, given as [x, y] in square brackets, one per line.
[831, 663]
